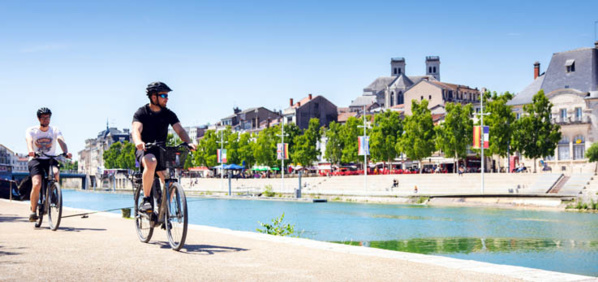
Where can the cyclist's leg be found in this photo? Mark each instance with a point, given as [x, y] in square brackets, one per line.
[36, 172]
[149, 163]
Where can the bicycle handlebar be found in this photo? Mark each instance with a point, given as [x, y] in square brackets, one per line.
[38, 154]
[162, 145]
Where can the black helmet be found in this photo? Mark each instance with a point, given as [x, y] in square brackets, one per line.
[43, 111]
[156, 87]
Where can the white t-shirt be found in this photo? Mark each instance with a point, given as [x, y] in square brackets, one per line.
[44, 142]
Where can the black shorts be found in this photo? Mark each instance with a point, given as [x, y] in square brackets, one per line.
[40, 166]
[157, 152]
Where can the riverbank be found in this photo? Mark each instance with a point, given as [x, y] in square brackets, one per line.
[105, 247]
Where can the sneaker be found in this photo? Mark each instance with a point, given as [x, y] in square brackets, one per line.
[146, 206]
[33, 217]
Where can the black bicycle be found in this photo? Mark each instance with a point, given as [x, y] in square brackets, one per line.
[50, 197]
[170, 204]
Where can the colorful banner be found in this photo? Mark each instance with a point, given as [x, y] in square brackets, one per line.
[364, 145]
[222, 156]
[478, 136]
[282, 152]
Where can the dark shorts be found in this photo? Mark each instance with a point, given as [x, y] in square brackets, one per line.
[156, 152]
[40, 166]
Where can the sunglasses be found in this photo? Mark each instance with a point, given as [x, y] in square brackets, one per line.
[163, 96]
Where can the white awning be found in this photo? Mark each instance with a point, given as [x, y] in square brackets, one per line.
[569, 62]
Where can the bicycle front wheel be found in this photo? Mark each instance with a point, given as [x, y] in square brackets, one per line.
[142, 220]
[176, 216]
[54, 202]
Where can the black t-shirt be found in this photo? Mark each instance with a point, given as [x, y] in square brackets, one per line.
[155, 125]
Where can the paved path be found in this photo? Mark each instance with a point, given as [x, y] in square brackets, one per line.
[105, 247]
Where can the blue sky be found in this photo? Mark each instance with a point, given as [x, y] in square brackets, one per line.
[89, 61]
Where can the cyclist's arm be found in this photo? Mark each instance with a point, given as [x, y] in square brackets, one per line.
[63, 146]
[182, 133]
[30, 149]
[136, 134]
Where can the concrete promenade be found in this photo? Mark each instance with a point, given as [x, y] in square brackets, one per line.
[105, 247]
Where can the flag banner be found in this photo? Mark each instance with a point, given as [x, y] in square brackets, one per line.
[476, 137]
[282, 151]
[222, 156]
[486, 136]
[364, 145]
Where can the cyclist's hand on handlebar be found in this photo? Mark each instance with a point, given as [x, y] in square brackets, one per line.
[192, 146]
[68, 155]
[140, 146]
[32, 154]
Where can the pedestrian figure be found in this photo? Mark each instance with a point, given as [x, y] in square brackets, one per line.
[415, 189]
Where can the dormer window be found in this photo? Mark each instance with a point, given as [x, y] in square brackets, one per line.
[570, 65]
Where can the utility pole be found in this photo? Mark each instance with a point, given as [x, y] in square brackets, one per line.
[283, 153]
[482, 133]
[221, 163]
[365, 155]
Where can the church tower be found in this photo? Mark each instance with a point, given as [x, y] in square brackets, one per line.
[397, 66]
[433, 66]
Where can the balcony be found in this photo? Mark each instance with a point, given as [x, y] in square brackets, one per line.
[585, 119]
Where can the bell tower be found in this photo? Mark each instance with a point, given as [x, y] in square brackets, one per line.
[397, 66]
[433, 66]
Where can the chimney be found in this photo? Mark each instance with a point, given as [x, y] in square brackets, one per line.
[298, 104]
[536, 69]
[596, 44]
[291, 103]
[309, 96]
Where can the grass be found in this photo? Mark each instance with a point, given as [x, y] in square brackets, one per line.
[583, 206]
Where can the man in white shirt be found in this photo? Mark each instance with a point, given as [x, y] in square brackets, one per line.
[42, 139]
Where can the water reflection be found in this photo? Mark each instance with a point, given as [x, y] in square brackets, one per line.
[477, 245]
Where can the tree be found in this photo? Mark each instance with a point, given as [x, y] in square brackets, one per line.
[306, 151]
[535, 136]
[383, 138]
[206, 150]
[501, 121]
[246, 147]
[334, 146]
[291, 131]
[265, 147]
[418, 140]
[69, 165]
[120, 155]
[349, 132]
[592, 153]
[455, 133]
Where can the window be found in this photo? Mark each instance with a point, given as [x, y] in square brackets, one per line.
[429, 69]
[430, 97]
[422, 98]
[518, 115]
[570, 65]
[434, 69]
[399, 71]
[579, 147]
[392, 94]
[563, 148]
[396, 71]
[578, 114]
[563, 114]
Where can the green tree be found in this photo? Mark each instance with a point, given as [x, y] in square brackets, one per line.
[535, 136]
[291, 131]
[418, 140]
[592, 153]
[455, 133]
[265, 147]
[334, 146]
[120, 155]
[383, 138]
[206, 150]
[110, 156]
[306, 151]
[501, 121]
[246, 147]
[349, 132]
[69, 165]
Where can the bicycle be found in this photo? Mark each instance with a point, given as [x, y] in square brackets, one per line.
[50, 190]
[171, 210]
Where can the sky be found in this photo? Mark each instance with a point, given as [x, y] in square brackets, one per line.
[90, 61]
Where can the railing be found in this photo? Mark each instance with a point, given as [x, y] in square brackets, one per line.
[571, 120]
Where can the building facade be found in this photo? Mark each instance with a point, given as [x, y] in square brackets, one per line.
[439, 93]
[91, 159]
[311, 107]
[571, 85]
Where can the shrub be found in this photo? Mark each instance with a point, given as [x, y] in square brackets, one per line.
[277, 228]
[268, 191]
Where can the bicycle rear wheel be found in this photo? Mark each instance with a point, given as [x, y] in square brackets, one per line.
[40, 207]
[54, 202]
[142, 220]
[176, 216]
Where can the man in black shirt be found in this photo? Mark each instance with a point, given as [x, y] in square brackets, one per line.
[150, 124]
